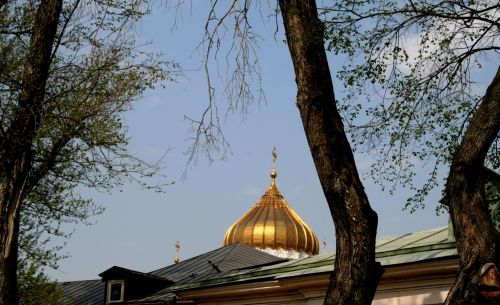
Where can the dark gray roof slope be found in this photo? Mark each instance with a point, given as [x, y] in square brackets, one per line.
[228, 258]
[89, 292]
[204, 266]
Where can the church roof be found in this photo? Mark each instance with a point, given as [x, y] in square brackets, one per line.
[238, 263]
[409, 248]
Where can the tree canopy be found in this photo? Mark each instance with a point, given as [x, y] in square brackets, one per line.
[413, 79]
[76, 135]
[35, 288]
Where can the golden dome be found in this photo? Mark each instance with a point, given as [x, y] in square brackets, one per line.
[273, 226]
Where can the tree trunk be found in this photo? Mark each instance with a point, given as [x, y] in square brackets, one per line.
[356, 274]
[477, 241]
[16, 143]
[8, 265]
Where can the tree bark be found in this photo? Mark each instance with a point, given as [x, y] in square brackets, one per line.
[16, 157]
[477, 241]
[356, 273]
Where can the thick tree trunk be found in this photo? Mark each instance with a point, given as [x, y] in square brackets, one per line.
[477, 241]
[356, 274]
[8, 266]
[16, 143]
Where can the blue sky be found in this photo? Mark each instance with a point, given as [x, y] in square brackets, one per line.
[139, 228]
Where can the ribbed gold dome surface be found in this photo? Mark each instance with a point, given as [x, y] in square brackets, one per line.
[271, 224]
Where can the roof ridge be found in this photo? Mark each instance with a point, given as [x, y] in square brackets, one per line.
[77, 281]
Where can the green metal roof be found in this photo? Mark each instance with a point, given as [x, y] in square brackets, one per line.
[412, 240]
[408, 248]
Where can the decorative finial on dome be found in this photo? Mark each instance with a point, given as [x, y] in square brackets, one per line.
[273, 172]
[177, 248]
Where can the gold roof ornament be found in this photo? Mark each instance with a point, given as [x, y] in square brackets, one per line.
[273, 226]
[177, 249]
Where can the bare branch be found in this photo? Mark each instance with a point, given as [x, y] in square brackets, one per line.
[242, 74]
